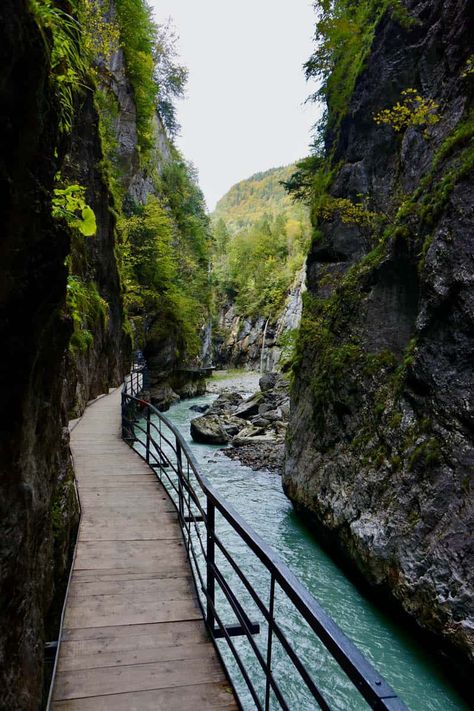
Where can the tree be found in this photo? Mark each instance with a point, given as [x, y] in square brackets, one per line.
[170, 76]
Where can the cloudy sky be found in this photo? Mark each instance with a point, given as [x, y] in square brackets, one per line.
[244, 108]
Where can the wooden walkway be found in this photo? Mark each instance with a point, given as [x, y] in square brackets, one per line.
[133, 636]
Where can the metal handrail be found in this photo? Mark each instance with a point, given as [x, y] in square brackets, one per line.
[198, 528]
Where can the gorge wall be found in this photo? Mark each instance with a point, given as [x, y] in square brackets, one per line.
[37, 509]
[380, 450]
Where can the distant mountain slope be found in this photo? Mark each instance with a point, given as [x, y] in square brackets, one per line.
[259, 196]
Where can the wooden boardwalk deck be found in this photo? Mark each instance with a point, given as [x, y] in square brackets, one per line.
[133, 636]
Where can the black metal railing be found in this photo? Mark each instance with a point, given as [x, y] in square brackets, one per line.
[219, 576]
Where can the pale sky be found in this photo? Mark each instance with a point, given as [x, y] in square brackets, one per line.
[244, 108]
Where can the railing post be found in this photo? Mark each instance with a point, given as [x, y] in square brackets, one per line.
[210, 561]
[148, 435]
[179, 463]
[269, 642]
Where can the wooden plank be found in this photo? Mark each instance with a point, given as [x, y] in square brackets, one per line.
[201, 697]
[121, 637]
[160, 588]
[124, 574]
[139, 532]
[82, 683]
[100, 610]
[138, 655]
[146, 556]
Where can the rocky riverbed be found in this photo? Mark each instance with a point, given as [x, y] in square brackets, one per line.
[254, 424]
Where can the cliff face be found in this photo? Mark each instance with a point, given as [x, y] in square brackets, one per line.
[92, 371]
[37, 510]
[380, 452]
[43, 379]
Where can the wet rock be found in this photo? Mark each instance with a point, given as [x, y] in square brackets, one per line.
[163, 396]
[285, 408]
[253, 435]
[232, 425]
[273, 415]
[268, 381]
[260, 421]
[209, 430]
[199, 408]
[249, 407]
[226, 402]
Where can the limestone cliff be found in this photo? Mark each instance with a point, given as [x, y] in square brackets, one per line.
[380, 451]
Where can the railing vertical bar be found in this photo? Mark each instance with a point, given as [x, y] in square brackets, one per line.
[179, 466]
[270, 642]
[148, 435]
[210, 560]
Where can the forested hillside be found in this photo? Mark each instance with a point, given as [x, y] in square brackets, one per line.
[263, 195]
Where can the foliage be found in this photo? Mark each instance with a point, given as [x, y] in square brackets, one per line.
[157, 78]
[350, 213]
[148, 236]
[300, 184]
[469, 68]
[261, 196]
[138, 37]
[165, 256]
[100, 30]
[259, 264]
[68, 63]
[86, 308]
[343, 39]
[260, 242]
[170, 76]
[69, 203]
[414, 110]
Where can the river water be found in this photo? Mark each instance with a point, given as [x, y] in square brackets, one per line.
[259, 498]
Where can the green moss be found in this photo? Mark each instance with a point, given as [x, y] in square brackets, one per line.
[427, 454]
[344, 36]
[87, 309]
[395, 420]
[69, 64]
[396, 463]
[375, 362]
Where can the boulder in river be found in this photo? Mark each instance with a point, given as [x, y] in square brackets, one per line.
[225, 403]
[208, 429]
[249, 407]
[199, 408]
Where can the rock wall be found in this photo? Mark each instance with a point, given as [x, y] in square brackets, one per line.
[380, 451]
[41, 380]
[136, 179]
[103, 365]
[37, 505]
[242, 338]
